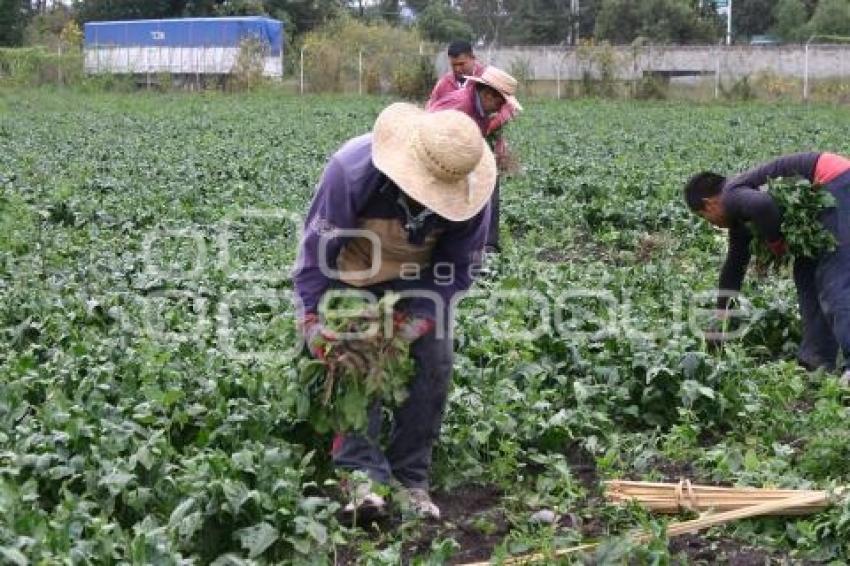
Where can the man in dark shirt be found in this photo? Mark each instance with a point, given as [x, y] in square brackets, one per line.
[823, 283]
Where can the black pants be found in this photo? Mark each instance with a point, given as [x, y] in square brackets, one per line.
[823, 289]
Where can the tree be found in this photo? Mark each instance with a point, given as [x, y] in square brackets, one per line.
[538, 22]
[241, 8]
[831, 17]
[303, 15]
[45, 27]
[753, 17]
[487, 17]
[440, 22]
[100, 10]
[790, 16]
[14, 15]
[588, 12]
[664, 21]
[618, 21]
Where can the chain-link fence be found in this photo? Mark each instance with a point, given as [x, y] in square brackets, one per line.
[808, 72]
[815, 72]
[327, 68]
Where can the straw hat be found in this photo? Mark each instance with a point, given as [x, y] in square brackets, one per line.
[501, 81]
[438, 159]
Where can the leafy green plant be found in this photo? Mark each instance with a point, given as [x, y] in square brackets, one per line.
[802, 206]
[371, 367]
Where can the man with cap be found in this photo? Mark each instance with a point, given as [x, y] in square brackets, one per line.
[484, 98]
[402, 209]
[823, 283]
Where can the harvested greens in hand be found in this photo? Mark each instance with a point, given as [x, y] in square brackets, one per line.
[369, 363]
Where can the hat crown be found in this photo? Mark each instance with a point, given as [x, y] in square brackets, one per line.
[500, 80]
[448, 144]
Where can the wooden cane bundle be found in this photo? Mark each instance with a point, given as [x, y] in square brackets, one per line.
[685, 496]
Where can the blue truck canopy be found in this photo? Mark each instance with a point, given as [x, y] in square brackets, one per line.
[186, 32]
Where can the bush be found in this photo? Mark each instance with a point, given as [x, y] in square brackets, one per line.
[775, 86]
[741, 90]
[391, 58]
[248, 69]
[414, 82]
[598, 70]
[650, 87]
[35, 66]
[522, 70]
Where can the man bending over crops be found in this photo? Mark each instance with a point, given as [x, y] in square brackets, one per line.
[823, 282]
[490, 100]
[402, 209]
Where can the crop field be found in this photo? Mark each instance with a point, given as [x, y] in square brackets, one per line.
[150, 411]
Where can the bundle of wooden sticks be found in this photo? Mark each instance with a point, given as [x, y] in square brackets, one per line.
[685, 496]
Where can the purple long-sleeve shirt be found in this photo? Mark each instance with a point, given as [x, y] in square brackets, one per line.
[354, 194]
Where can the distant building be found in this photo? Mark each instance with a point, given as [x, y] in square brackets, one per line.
[182, 47]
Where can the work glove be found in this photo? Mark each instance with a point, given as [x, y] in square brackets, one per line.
[409, 327]
[317, 336]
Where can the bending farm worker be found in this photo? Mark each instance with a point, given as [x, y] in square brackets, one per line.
[403, 209]
[487, 99]
[823, 283]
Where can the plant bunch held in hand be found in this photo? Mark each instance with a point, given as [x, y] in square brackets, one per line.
[368, 362]
[802, 204]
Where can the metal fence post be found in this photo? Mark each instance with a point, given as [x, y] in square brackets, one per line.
[717, 76]
[360, 73]
[302, 71]
[806, 71]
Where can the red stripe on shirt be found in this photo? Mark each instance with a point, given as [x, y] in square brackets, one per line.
[829, 167]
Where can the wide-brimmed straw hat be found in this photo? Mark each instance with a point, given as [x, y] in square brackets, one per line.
[439, 159]
[501, 81]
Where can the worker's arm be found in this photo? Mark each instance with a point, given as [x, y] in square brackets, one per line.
[789, 166]
[735, 266]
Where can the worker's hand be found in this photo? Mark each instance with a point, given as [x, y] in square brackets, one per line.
[411, 328]
[778, 247]
[317, 336]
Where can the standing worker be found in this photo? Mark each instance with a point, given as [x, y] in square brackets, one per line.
[487, 99]
[463, 64]
[823, 283]
[405, 209]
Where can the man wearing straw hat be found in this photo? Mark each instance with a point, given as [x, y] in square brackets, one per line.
[463, 64]
[409, 198]
[484, 99]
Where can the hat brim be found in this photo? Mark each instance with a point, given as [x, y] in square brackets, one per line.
[509, 98]
[394, 155]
